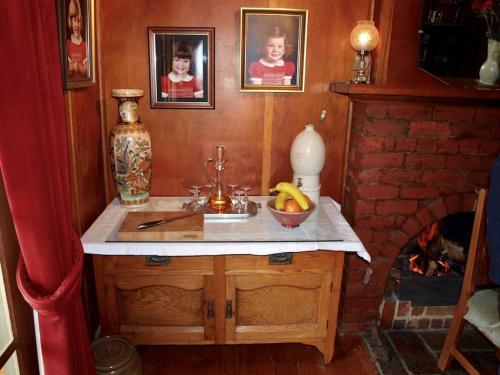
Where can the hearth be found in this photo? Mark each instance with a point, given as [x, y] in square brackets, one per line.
[409, 164]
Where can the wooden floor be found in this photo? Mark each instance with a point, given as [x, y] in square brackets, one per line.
[351, 358]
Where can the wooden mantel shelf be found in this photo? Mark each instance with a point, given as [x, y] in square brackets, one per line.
[459, 90]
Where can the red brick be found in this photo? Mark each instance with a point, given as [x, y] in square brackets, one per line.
[369, 175]
[390, 250]
[404, 207]
[488, 146]
[400, 176]
[437, 323]
[443, 178]
[404, 308]
[453, 204]
[387, 315]
[488, 114]
[354, 262]
[353, 304]
[470, 146]
[411, 324]
[438, 209]
[423, 323]
[376, 110]
[365, 207]
[463, 162]
[355, 276]
[372, 144]
[426, 145]
[471, 130]
[440, 310]
[346, 328]
[405, 144]
[398, 237]
[385, 127]
[359, 290]
[478, 178]
[469, 202]
[424, 217]
[383, 160]
[359, 108]
[377, 192]
[411, 227]
[389, 144]
[429, 129]
[425, 161]
[454, 113]
[399, 324]
[417, 310]
[365, 235]
[359, 316]
[408, 192]
[410, 111]
[448, 146]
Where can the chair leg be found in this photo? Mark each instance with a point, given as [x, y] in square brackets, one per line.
[452, 338]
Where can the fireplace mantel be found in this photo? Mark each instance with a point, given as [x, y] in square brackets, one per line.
[458, 91]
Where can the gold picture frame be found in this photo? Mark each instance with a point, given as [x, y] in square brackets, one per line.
[272, 49]
[76, 19]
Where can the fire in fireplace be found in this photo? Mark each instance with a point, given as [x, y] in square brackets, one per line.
[441, 247]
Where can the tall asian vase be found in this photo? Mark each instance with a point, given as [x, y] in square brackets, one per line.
[307, 156]
[130, 151]
[488, 73]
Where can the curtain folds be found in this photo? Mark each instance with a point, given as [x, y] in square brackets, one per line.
[34, 166]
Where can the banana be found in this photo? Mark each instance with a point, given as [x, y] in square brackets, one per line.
[279, 203]
[286, 187]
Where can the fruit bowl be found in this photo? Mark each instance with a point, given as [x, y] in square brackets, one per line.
[289, 219]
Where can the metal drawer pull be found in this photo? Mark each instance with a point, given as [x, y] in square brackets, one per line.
[157, 260]
[210, 309]
[281, 258]
[229, 309]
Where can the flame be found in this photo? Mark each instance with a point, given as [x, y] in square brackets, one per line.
[413, 266]
[427, 235]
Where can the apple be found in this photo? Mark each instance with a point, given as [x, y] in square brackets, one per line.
[291, 205]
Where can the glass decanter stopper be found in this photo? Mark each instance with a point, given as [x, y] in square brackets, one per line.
[218, 199]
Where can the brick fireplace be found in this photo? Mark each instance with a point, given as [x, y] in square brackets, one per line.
[409, 164]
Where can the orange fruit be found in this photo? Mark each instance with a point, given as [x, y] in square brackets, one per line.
[291, 205]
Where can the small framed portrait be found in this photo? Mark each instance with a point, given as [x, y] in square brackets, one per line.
[181, 67]
[273, 49]
[76, 36]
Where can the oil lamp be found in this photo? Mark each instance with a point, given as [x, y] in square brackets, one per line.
[364, 38]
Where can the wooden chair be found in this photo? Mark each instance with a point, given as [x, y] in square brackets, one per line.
[473, 305]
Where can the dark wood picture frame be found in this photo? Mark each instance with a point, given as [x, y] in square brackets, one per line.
[193, 86]
[77, 17]
[259, 70]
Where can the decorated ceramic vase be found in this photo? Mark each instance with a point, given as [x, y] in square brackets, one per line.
[130, 151]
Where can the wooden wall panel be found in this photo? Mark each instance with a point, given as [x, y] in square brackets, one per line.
[183, 139]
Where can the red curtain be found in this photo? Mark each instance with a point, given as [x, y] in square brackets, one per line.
[34, 165]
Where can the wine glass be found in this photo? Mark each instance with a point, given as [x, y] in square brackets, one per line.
[195, 191]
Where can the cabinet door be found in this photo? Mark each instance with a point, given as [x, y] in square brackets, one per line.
[159, 304]
[278, 303]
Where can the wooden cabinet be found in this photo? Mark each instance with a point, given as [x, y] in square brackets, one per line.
[228, 299]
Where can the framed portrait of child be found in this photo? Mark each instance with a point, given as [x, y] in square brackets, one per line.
[272, 49]
[181, 66]
[76, 35]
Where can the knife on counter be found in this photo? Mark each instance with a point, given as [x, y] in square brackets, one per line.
[155, 223]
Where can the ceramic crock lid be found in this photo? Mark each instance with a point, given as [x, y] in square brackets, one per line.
[112, 353]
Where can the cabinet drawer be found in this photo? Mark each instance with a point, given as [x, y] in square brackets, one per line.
[303, 261]
[140, 264]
